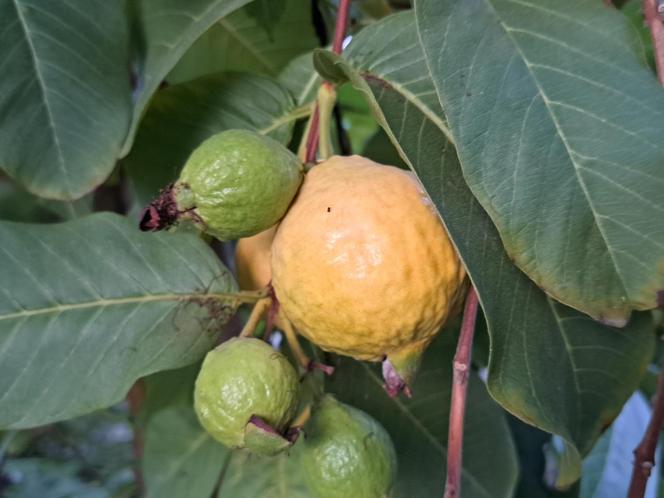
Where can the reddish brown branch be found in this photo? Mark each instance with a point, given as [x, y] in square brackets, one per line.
[135, 399]
[340, 27]
[644, 454]
[654, 21]
[339, 35]
[461, 371]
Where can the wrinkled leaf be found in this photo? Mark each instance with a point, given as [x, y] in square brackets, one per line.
[165, 29]
[248, 41]
[418, 426]
[558, 126]
[65, 99]
[89, 306]
[541, 351]
[182, 116]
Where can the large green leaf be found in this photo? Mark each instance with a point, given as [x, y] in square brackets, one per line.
[243, 42]
[64, 93]
[184, 115]
[549, 365]
[88, 306]
[418, 426]
[558, 125]
[180, 458]
[165, 29]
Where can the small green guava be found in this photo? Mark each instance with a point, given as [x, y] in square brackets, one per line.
[246, 394]
[239, 183]
[347, 453]
[235, 184]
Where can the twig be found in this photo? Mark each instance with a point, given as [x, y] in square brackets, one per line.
[339, 35]
[652, 13]
[135, 399]
[644, 453]
[459, 391]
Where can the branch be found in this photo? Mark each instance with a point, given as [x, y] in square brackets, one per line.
[652, 13]
[644, 453]
[339, 35]
[459, 392]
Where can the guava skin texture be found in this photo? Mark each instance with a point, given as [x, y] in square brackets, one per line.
[240, 379]
[238, 183]
[347, 454]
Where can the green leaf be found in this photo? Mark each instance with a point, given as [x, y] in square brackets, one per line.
[418, 426]
[89, 306]
[268, 477]
[558, 125]
[541, 351]
[180, 458]
[248, 41]
[301, 79]
[182, 116]
[165, 29]
[65, 98]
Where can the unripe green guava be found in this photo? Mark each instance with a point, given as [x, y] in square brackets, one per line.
[238, 183]
[346, 453]
[246, 394]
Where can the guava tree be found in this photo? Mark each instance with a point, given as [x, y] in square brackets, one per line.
[533, 131]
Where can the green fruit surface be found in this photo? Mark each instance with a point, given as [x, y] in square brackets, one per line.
[240, 378]
[239, 182]
[347, 453]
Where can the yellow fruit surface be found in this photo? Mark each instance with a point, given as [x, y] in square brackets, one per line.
[252, 260]
[361, 263]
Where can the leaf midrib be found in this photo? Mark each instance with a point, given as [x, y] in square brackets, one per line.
[570, 152]
[61, 308]
[42, 88]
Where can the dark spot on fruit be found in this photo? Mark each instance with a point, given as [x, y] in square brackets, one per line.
[329, 209]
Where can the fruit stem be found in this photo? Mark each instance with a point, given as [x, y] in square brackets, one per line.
[293, 342]
[302, 418]
[255, 317]
[461, 371]
[327, 97]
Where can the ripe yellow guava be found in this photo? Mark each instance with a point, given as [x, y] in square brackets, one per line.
[347, 453]
[246, 394]
[362, 265]
[252, 260]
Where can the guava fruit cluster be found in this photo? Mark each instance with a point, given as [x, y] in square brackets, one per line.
[246, 395]
[356, 260]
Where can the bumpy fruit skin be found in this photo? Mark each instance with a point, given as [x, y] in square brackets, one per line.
[241, 378]
[238, 183]
[252, 260]
[362, 265]
[346, 453]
